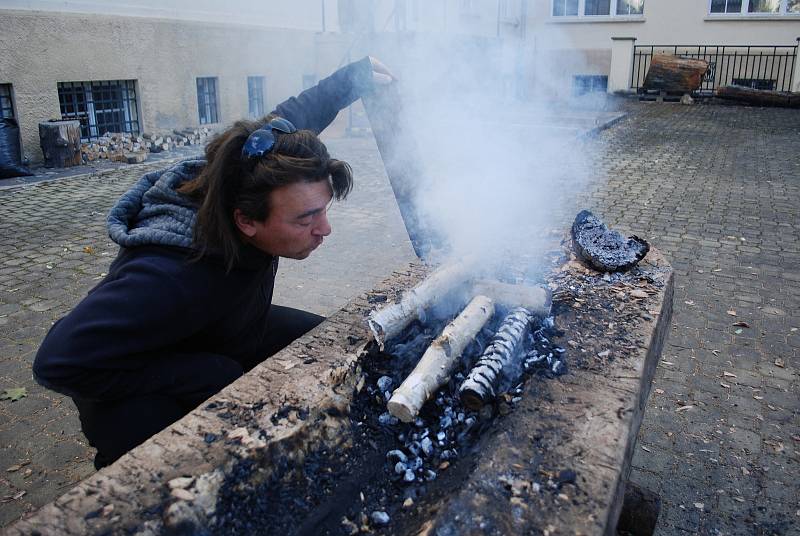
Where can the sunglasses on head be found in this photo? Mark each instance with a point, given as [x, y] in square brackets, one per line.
[262, 140]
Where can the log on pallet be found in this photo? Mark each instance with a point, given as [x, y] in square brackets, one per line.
[61, 143]
[759, 97]
[674, 74]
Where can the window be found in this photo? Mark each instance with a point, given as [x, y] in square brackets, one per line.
[309, 81]
[755, 83]
[631, 7]
[100, 106]
[207, 100]
[726, 6]
[6, 105]
[585, 84]
[255, 96]
[755, 7]
[598, 8]
[565, 8]
[764, 6]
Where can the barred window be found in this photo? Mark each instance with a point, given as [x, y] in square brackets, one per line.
[6, 105]
[100, 106]
[589, 83]
[255, 96]
[207, 100]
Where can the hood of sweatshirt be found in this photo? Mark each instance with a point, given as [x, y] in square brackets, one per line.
[152, 212]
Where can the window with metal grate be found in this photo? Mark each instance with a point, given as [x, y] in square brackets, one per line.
[589, 83]
[6, 103]
[101, 106]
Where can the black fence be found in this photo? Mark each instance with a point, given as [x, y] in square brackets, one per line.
[759, 67]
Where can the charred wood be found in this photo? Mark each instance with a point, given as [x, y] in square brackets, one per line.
[498, 359]
[603, 249]
[439, 360]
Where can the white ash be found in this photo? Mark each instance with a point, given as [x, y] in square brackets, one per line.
[384, 383]
[380, 517]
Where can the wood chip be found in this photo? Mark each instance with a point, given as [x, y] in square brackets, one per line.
[725, 385]
[780, 363]
[637, 293]
[728, 374]
[182, 494]
[731, 312]
[182, 482]
[741, 324]
[683, 408]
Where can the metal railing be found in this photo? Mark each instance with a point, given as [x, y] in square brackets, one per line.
[757, 66]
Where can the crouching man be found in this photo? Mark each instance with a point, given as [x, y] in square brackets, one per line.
[186, 306]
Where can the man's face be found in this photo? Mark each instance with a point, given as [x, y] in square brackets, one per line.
[297, 221]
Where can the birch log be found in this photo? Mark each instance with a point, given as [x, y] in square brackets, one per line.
[483, 380]
[439, 360]
[534, 298]
[393, 319]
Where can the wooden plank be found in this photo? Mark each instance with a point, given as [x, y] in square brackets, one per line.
[674, 74]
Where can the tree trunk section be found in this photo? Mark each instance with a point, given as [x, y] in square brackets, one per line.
[61, 143]
[675, 74]
[759, 97]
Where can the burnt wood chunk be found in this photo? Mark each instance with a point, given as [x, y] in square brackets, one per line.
[61, 143]
[674, 74]
[497, 360]
[603, 249]
[759, 97]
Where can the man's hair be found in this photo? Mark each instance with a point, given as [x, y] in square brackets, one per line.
[231, 181]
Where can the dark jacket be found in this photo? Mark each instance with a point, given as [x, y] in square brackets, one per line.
[157, 306]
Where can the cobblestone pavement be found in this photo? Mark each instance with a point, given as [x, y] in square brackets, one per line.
[717, 189]
[714, 187]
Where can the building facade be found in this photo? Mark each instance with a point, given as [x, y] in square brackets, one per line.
[149, 65]
[117, 69]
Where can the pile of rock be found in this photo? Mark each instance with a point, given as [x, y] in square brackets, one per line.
[133, 148]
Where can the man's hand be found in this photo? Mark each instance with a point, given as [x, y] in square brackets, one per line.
[380, 73]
